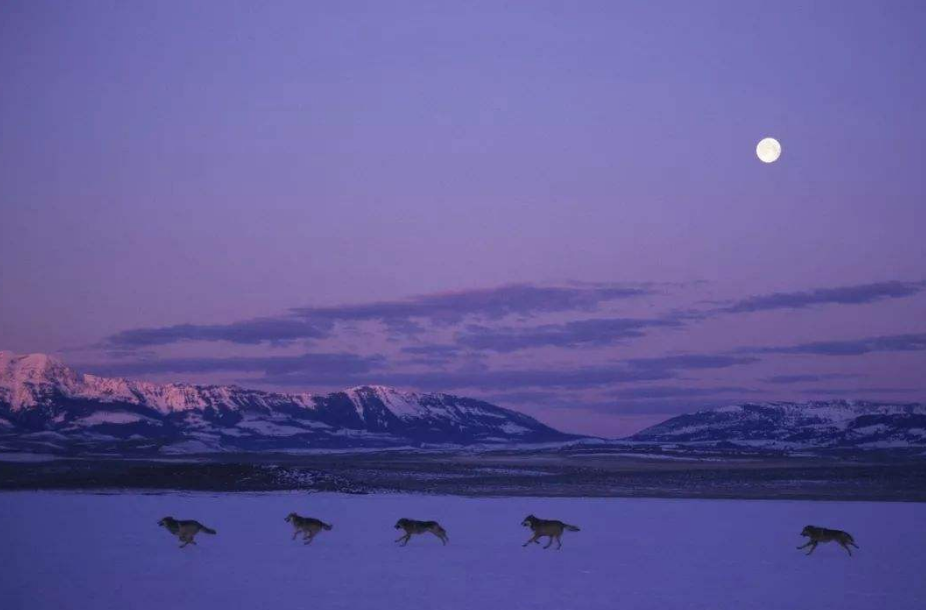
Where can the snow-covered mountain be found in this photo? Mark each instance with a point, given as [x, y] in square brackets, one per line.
[46, 406]
[787, 425]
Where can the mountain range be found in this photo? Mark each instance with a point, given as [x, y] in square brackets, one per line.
[45, 406]
[838, 424]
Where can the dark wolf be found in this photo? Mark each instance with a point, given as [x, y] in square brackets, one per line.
[546, 527]
[184, 530]
[821, 534]
[413, 527]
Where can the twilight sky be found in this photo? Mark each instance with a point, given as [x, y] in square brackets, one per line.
[552, 205]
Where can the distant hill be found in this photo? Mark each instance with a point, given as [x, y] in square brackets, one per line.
[806, 425]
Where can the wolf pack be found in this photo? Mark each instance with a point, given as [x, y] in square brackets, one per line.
[552, 529]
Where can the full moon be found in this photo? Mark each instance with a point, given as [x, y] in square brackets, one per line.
[768, 150]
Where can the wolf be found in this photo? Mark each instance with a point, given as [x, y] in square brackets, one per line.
[308, 526]
[544, 527]
[184, 530]
[821, 534]
[420, 527]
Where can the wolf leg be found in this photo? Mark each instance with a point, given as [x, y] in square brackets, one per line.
[531, 539]
[812, 548]
[549, 543]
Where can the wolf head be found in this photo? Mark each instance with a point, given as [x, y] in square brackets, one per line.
[808, 530]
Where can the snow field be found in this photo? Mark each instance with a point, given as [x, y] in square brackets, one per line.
[95, 551]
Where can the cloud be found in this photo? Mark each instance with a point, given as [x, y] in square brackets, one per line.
[433, 350]
[582, 377]
[250, 332]
[534, 397]
[631, 371]
[349, 369]
[855, 391]
[667, 407]
[401, 317]
[598, 331]
[412, 316]
[789, 379]
[311, 367]
[850, 347]
[490, 303]
[690, 361]
[438, 355]
[845, 295]
[660, 392]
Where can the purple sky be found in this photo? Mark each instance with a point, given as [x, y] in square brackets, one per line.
[553, 205]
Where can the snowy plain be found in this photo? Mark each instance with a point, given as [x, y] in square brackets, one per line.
[100, 551]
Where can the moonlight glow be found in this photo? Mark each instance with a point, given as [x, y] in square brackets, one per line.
[768, 150]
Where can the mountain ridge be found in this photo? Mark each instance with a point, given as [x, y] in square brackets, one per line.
[46, 405]
[42, 401]
[796, 425]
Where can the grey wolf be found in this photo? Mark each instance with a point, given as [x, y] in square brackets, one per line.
[184, 530]
[821, 534]
[546, 527]
[412, 527]
[307, 526]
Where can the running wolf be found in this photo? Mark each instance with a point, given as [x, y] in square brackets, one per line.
[412, 527]
[544, 527]
[307, 526]
[184, 530]
[821, 534]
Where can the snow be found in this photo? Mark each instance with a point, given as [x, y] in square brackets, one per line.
[106, 552]
[27, 457]
[44, 435]
[21, 377]
[113, 417]
[651, 456]
[270, 428]
[402, 405]
[785, 425]
[40, 380]
[192, 446]
[729, 409]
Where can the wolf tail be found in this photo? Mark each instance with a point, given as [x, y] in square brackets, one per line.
[208, 530]
[571, 528]
[327, 526]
